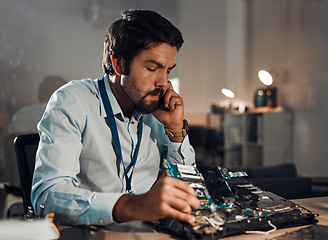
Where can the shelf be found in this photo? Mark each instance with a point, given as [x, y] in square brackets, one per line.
[265, 138]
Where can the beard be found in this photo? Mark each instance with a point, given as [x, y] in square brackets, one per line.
[142, 105]
[147, 108]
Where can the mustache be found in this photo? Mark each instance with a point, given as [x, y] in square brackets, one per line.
[156, 91]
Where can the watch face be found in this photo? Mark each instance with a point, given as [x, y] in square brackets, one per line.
[185, 125]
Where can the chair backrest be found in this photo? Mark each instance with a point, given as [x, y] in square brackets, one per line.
[25, 148]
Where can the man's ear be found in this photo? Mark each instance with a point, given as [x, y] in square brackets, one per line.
[118, 64]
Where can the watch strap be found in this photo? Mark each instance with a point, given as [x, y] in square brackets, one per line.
[179, 132]
[176, 133]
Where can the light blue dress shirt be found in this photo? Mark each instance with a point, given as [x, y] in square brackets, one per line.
[77, 172]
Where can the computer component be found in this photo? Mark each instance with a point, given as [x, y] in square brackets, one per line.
[231, 208]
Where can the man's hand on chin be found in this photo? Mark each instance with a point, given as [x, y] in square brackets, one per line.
[170, 114]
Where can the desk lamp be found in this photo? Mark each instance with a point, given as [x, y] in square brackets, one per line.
[228, 102]
[228, 93]
[265, 98]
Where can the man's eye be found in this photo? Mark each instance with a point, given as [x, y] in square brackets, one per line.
[151, 69]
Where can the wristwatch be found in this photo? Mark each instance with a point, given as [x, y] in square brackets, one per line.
[180, 132]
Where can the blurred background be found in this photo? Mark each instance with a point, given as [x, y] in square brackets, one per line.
[227, 42]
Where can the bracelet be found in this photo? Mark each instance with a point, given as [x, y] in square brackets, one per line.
[176, 133]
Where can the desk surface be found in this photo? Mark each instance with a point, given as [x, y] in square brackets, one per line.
[139, 230]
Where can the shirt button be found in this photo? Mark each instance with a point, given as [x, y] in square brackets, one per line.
[101, 221]
[176, 150]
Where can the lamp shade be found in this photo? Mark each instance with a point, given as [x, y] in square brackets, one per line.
[228, 93]
[265, 77]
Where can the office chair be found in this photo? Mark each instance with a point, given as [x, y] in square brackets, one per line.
[25, 148]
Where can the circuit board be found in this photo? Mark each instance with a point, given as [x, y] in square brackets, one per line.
[228, 209]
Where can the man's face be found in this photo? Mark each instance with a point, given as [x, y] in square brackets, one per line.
[148, 78]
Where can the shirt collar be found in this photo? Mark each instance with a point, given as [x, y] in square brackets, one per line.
[137, 115]
[115, 106]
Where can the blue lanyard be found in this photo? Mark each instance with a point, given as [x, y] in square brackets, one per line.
[113, 127]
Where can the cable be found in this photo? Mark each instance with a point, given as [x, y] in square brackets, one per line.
[213, 222]
[267, 232]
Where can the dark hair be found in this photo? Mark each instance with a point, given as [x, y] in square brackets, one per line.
[137, 30]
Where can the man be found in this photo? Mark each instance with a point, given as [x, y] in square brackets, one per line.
[26, 118]
[102, 141]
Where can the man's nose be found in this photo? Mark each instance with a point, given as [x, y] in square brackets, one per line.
[162, 80]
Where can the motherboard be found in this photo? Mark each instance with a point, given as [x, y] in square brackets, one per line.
[229, 208]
